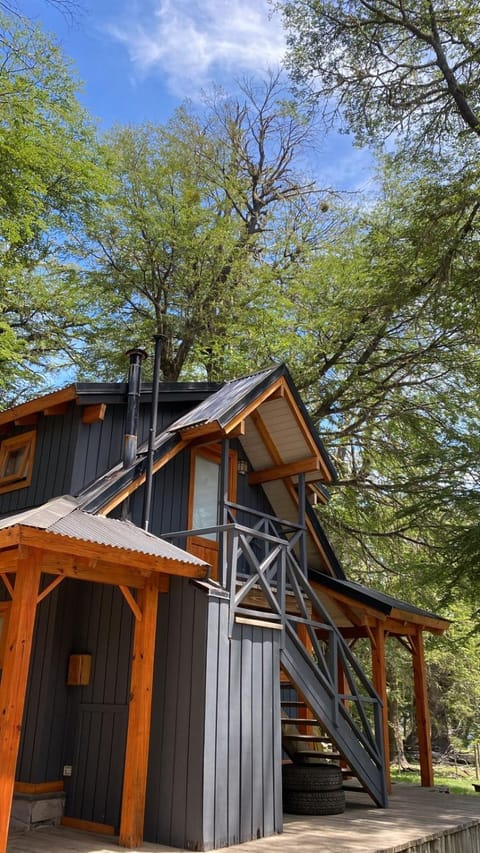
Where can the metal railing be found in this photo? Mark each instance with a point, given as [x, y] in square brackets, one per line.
[260, 566]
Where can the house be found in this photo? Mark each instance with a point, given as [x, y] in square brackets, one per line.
[160, 587]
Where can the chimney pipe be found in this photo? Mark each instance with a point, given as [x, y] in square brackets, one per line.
[147, 502]
[130, 439]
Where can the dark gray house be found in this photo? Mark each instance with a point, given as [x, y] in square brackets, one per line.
[157, 598]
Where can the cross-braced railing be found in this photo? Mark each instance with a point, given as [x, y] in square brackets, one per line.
[260, 564]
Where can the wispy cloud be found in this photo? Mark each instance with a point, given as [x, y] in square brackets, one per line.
[191, 42]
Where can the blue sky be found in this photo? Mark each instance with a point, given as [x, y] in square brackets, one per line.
[139, 59]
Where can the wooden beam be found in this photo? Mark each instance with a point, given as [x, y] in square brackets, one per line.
[131, 601]
[48, 589]
[13, 685]
[268, 394]
[201, 431]
[306, 433]
[53, 411]
[27, 420]
[429, 623]
[7, 582]
[379, 677]
[106, 555]
[38, 405]
[139, 715]
[117, 499]
[288, 469]
[422, 711]
[93, 414]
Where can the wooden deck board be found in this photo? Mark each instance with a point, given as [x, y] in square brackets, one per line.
[415, 820]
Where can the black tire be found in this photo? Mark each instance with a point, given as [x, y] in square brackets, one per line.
[311, 777]
[314, 802]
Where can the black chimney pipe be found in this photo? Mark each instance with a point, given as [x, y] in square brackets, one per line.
[130, 439]
[147, 501]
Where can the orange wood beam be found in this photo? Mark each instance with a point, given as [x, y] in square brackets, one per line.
[27, 420]
[93, 414]
[269, 393]
[58, 409]
[132, 487]
[13, 685]
[7, 582]
[38, 405]
[422, 711]
[289, 469]
[103, 562]
[139, 715]
[379, 677]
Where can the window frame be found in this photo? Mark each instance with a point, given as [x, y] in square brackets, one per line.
[22, 478]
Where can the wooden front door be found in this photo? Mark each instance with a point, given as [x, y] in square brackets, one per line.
[204, 500]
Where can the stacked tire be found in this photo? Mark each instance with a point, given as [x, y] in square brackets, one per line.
[313, 789]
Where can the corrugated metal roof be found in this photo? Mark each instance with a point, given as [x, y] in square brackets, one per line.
[222, 402]
[62, 516]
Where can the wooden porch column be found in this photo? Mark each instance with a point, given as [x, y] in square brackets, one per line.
[422, 711]
[13, 684]
[379, 674]
[139, 714]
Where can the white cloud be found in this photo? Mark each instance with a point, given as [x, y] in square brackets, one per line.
[191, 42]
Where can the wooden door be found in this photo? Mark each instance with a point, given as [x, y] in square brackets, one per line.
[204, 500]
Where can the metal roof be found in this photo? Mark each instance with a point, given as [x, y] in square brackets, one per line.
[222, 405]
[381, 601]
[62, 516]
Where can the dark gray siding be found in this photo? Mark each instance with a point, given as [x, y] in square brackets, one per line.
[53, 462]
[98, 713]
[215, 769]
[41, 750]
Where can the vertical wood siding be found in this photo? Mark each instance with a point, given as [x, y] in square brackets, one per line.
[214, 771]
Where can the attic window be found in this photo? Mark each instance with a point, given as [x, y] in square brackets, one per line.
[16, 461]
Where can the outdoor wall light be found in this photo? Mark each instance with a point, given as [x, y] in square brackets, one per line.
[242, 466]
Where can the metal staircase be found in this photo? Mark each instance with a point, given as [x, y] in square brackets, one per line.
[265, 579]
[263, 566]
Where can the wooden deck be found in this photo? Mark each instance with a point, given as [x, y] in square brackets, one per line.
[418, 821]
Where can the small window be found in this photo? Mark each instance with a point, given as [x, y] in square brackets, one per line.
[16, 461]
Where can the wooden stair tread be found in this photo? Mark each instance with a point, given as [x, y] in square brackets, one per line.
[308, 738]
[322, 756]
[292, 703]
[301, 721]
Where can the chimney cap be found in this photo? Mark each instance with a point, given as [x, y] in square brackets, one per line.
[143, 354]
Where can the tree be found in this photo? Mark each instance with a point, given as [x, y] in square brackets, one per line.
[390, 68]
[50, 173]
[203, 223]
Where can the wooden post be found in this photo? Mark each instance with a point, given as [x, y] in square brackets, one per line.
[139, 714]
[422, 711]
[379, 677]
[13, 685]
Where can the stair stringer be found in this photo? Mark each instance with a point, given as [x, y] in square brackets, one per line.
[320, 698]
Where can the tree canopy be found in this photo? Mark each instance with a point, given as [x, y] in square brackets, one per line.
[50, 173]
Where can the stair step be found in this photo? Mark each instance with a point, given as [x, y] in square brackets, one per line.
[292, 703]
[303, 721]
[314, 753]
[308, 738]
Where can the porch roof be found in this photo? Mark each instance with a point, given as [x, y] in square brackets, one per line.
[61, 525]
[353, 598]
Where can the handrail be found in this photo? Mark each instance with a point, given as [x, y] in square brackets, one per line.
[273, 565]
